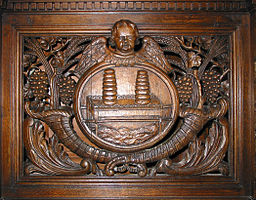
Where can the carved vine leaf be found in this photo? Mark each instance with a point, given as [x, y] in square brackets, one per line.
[47, 157]
[201, 66]
[202, 155]
[55, 57]
[199, 69]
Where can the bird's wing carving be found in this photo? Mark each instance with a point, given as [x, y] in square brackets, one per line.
[153, 54]
[94, 53]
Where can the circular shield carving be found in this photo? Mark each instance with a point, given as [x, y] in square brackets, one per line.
[125, 108]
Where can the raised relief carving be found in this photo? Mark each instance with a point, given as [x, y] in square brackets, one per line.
[149, 106]
[77, 5]
[48, 156]
[123, 103]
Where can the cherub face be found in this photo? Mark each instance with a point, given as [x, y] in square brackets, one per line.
[125, 39]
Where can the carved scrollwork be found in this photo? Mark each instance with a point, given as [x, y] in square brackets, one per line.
[202, 156]
[47, 157]
[160, 109]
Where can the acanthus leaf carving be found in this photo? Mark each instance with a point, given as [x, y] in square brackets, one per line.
[120, 93]
[47, 157]
[202, 156]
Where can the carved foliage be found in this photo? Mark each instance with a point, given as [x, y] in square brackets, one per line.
[47, 157]
[197, 65]
[48, 62]
[202, 155]
[201, 66]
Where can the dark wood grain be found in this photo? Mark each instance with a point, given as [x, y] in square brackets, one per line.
[253, 25]
[1, 167]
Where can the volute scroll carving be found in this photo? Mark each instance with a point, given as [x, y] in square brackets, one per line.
[150, 106]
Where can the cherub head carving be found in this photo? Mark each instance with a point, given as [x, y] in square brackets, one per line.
[124, 35]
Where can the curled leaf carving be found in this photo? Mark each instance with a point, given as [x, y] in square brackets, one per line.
[47, 157]
[66, 76]
[202, 156]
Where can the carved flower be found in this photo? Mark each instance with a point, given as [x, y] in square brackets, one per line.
[194, 60]
[58, 60]
[28, 60]
[46, 42]
[205, 42]
[223, 58]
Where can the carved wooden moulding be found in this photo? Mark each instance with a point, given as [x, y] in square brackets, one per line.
[144, 5]
[126, 104]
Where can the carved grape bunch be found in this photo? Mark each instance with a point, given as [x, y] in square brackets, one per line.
[39, 84]
[67, 89]
[185, 87]
[211, 86]
[144, 108]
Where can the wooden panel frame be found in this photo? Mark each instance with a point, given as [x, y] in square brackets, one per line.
[17, 24]
[253, 24]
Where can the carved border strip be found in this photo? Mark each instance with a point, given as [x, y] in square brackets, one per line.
[233, 188]
[128, 6]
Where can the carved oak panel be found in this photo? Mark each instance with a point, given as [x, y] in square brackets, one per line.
[149, 105]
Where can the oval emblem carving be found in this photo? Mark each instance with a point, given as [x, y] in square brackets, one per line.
[125, 108]
[123, 100]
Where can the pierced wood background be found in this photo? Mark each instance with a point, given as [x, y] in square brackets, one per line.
[52, 68]
[205, 50]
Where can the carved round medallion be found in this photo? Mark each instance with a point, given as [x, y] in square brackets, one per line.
[125, 108]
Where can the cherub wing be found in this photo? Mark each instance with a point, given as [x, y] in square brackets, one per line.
[153, 54]
[94, 53]
[172, 44]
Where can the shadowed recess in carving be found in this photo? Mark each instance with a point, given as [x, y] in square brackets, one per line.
[126, 100]
[126, 136]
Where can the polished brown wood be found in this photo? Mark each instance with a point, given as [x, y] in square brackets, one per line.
[125, 102]
[253, 24]
[74, 77]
